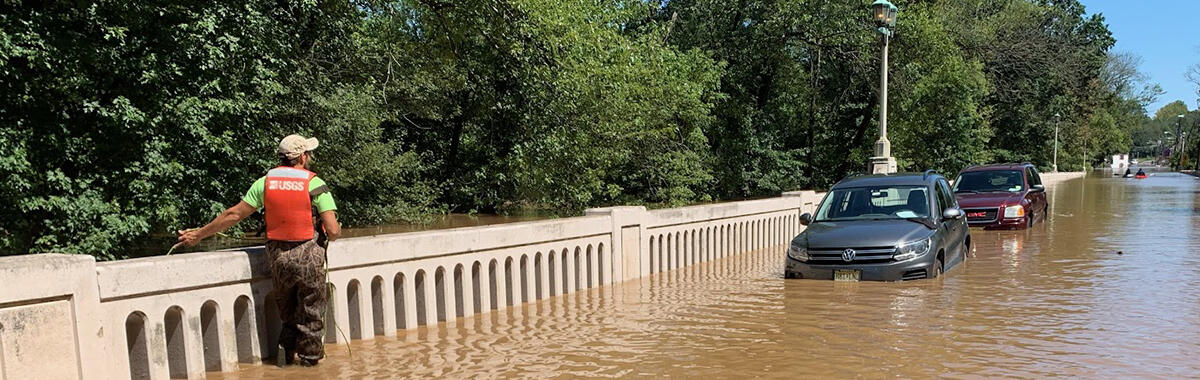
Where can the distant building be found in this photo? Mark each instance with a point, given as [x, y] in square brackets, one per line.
[1120, 162]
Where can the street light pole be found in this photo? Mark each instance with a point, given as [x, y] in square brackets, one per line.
[1162, 148]
[885, 18]
[1175, 147]
[1161, 155]
[1196, 153]
[883, 147]
[1057, 117]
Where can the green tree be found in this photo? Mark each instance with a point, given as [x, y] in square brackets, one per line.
[941, 117]
[125, 120]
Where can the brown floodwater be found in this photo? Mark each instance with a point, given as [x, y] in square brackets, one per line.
[1053, 301]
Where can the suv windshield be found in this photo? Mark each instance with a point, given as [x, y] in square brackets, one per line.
[880, 202]
[989, 181]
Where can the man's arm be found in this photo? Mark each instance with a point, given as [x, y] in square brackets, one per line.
[227, 219]
[330, 224]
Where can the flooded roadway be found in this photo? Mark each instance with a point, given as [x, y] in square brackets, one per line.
[1054, 301]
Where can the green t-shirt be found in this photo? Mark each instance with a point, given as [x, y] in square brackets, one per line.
[323, 202]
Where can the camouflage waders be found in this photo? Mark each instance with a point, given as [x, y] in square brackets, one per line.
[298, 273]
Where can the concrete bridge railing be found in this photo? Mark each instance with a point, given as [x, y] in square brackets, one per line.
[1049, 179]
[66, 316]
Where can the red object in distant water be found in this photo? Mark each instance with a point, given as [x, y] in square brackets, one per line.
[1140, 176]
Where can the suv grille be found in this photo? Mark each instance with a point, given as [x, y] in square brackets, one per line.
[865, 255]
[982, 215]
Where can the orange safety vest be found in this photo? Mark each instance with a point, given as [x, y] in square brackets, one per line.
[288, 205]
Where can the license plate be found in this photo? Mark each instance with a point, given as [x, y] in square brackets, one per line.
[846, 275]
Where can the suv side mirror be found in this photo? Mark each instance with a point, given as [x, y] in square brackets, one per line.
[805, 218]
[1038, 188]
[952, 213]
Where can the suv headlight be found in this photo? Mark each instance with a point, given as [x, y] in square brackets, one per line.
[1014, 211]
[797, 252]
[912, 249]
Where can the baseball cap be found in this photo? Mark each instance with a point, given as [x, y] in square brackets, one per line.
[295, 145]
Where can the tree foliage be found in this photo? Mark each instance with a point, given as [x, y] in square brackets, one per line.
[124, 119]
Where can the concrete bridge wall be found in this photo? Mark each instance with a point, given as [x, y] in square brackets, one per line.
[66, 316]
[1049, 179]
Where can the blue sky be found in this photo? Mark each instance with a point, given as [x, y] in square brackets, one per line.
[1163, 32]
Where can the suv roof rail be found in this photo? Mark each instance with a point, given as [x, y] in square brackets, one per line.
[849, 176]
[926, 174]
[1006, 163]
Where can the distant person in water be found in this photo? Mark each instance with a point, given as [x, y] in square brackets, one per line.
[1141, 172]
[1128, 172]
[295, 251]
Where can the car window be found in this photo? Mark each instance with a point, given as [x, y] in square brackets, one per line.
[987, 181]
[877, 202]
[1035, 177]
[950, 195]
[939, 201]
[946, 196]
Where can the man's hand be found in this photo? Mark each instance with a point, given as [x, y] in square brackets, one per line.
[189, 237]
[228, 218]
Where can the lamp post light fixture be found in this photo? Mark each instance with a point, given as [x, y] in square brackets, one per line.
[885, 19]
[885, 16]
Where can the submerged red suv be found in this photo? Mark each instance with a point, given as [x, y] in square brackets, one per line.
[1001, 195]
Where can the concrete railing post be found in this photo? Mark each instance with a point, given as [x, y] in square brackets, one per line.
[341, 312]
[805, 201]
[388, 307]
[628, 242]
[408, 289]
[50, 310]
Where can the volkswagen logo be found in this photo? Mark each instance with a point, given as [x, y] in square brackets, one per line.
[848, 255]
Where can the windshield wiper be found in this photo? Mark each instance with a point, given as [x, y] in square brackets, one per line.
[966, 191]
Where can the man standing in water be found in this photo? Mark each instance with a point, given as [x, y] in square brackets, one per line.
[295, 251]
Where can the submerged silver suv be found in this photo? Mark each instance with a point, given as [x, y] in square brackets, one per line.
[891, 227]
